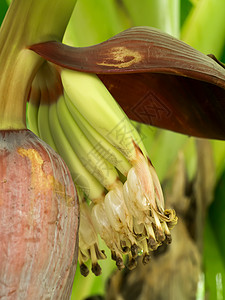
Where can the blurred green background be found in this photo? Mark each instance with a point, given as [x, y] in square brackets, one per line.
[200, 23]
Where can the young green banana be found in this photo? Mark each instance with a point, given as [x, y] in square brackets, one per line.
[87, 182]
[106, 149]
[38, 108]
[43, 120]
[90, 158]
[89, 95]
[32, 108]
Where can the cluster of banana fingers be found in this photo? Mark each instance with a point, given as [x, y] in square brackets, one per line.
[120, 195]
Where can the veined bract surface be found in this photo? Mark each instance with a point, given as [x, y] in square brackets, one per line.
[38, 220]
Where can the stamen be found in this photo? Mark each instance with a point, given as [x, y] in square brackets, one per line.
[168, 236]
[146, 259]
[152, 244]
[83, 255]
[93, 255]
[146, 255]
[96, 269]
[113, 255]
[132, 263]
[117, 257]
[119, 262]
[84, 270]
[88, 242]
[134, 250]
[124, 246]
[100, 254]
[172, 218]
[159, 233]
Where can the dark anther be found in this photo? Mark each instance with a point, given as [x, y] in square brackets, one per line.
[96, 269]
[84, 270]
[119, 263]
[132, 264]
[134, 250]
[146, 259]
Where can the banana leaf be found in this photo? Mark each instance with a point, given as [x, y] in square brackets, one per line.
[3, 9]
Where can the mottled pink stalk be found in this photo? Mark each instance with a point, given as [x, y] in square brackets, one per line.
[38, 220]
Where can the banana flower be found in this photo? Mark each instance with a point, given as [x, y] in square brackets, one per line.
[155, 78]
